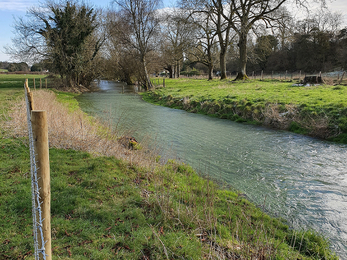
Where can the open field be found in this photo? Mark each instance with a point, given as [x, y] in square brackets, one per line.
[104, 207]
[319, 111]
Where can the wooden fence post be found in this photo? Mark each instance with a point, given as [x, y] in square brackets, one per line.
[40, 135]
[31, 101]
[164, 83]
[29, 95]
[40, 84]
[262, 76]
[46, 83]
[34, 83]
[26, 85]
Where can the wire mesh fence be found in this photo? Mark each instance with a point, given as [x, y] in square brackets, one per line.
[39, 243]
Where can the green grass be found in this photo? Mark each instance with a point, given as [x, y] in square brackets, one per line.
[99, 212]
[310, 108]
[256, 91]
[68, 99]
[17, 80]
[105, 208]
[12, 87]
[3, 70]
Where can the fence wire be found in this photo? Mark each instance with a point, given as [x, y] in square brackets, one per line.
[36, 205]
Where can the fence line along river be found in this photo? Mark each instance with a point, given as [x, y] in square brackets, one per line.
[301, 179]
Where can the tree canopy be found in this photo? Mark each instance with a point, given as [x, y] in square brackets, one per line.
[63, 35]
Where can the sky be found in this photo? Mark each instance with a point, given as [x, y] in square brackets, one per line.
[17, 8]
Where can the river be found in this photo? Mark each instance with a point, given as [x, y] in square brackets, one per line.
[299, 178]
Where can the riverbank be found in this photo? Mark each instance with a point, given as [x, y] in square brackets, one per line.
[318, 111]
[108, 207]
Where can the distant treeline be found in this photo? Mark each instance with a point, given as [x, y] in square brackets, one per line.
[21, 66]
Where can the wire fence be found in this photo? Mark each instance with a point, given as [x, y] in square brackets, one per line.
[36, 204]
[287, 75]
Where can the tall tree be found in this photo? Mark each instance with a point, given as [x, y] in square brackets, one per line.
[223, 21]
[63, 34]
[143, 21]
[283, 28]
[265, 46]
[203, 50]
[341, 49]
[221, 16]
[247, 13]
[178, 35]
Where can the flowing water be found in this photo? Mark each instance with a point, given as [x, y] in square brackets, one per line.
[301, 179]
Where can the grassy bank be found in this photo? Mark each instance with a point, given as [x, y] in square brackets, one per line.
[104, 207]
[319, 111]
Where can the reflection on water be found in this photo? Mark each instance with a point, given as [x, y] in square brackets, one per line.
[299, 178]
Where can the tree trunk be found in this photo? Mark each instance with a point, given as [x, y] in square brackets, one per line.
[127, 78]
[169, 68]
[242, 75]
[223, 73]
[210, 71]
[209, 62]
[178, 69]
[147, 83]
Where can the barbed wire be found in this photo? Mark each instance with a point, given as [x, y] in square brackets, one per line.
[36, 205]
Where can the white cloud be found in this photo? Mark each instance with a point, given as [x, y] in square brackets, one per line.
[16, 5]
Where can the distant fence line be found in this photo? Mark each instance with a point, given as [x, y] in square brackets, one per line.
[24, 72]
[277, 75]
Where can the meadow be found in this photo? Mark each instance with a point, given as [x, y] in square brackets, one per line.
[111, 202]
[319, 111]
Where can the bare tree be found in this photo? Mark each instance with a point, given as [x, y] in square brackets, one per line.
[246, 14]
[221, 16]
[206, 39]
[283, 27]
[178, 35]
[143, 25]
[223, 22]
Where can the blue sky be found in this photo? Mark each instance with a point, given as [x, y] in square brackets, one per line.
[15, 8]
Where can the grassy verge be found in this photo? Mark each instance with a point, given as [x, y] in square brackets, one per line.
[319, 111]
[109, 208]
